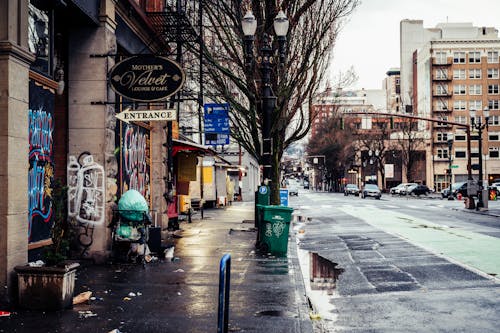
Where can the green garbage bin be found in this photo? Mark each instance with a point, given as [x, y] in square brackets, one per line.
[274, 229]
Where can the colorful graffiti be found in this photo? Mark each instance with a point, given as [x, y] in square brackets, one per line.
[135, 160]
[86, 191]
[41, 169]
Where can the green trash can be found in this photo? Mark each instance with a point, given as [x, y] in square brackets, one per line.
[274, 229]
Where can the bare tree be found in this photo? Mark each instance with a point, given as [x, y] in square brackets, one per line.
[409, 143]
[314, 26]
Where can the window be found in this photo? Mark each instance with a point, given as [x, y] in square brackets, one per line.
[492, 57]
[459, 74]
[493, 121]
[475, 89]
[459, 57]
[459, 89]
[476, 105]
[493, 137]
[442, 137]
[460, 154]
[441, 106]
[474, 57]
[39, 38]
[493, 104]
[440, 58]
[493, 89]
[494, 152]
[461, 119]
[459, 105]
[460, 137]
[474, 73]
[442, 153]
[442, 90]
[441, 74]
[492, 73]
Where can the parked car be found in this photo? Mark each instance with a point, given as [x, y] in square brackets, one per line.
[371, 190]
[403, 188]
[418, 190]
[459, 187]
[351, 189]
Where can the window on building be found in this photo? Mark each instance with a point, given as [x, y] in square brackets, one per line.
[40, 38]
[493, 89]
[493, 137]
[460, 154]
[494, 153]
[459, 57]
[461, 119]
[475, 73]
[459, 137]
[441, 106]
[442, 153]
[459, 74]
[441, 74]
[475, 89]
[441, 90]
[476, 105]
[493, 121]
[459, 89]
[459, 105]
[442, 137]
[440, 58]
[493, 104]
[474, 57]
[492, 57]
[492, 73]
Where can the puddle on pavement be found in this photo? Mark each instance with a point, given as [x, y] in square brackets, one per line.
[275, 313]
[323, 273]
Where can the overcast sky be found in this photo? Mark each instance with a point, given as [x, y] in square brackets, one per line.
[369, 41]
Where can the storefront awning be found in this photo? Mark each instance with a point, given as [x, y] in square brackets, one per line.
[186, 146]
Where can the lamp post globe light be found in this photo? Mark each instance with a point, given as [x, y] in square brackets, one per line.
[266, 62]
[450, 160]
[479, 125]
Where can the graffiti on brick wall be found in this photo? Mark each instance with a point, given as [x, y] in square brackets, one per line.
[135, 171]
[41, 168]
[86, 191]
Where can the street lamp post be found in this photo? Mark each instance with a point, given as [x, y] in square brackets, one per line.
[266, 62]
[450, 147]
[479, 125]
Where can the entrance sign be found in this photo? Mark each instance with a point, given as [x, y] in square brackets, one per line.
[147, 115]
[146, 78]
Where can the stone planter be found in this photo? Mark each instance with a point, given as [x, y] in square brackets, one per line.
[47, 287]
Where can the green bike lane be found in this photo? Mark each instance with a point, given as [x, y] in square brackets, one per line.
[474, 250]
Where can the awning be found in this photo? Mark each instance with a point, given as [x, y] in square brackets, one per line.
[186, 146]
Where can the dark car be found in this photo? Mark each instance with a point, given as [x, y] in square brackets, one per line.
[371, 190]
[418, 190]
[351, 189]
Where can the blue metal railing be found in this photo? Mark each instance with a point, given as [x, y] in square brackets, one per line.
[224, 284]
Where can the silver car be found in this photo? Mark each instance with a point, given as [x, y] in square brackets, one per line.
[371, 190]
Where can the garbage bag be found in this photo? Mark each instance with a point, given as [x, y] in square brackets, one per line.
[133, 206]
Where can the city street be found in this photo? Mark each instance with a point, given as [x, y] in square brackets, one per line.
[410, 264]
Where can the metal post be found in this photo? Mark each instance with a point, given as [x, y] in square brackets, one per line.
[224, 285]
[480, 203]
[450, 147]
[268, 106]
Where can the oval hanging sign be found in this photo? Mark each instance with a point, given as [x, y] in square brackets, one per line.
[146, 78]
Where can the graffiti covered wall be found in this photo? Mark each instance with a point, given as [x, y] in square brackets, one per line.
[135, 160]
[41, 165]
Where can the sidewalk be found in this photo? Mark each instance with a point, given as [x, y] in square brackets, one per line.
[267, 293]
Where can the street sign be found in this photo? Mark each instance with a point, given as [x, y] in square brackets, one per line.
[454, 166]
[147, 115]
[216, 121]
[284, 197]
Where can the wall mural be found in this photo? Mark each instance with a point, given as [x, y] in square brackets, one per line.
[41, 168]
[135, 160]
[86, 191]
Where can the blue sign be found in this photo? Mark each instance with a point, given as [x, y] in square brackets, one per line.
[262, 189]
[216, 124]
[216, 118]
[284, 197]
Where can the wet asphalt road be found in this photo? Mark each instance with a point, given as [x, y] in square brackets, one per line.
[393, 283]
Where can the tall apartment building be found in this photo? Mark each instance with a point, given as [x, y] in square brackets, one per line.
[447, 71]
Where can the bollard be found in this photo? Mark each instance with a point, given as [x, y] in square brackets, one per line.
[224, 284]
